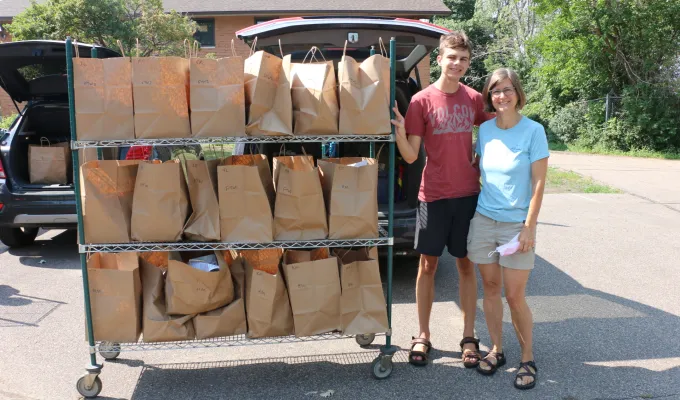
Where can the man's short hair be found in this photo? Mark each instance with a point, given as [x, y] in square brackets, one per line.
[455, 40]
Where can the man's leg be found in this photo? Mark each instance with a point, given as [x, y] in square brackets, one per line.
[467, 291]
[463, 212]
[425, 297]
[432, 230]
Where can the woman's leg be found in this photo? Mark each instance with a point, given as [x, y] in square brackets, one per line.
[515, 282]
[493, 306]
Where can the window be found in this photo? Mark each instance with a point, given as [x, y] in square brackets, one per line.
[205, 32]
[259, 20]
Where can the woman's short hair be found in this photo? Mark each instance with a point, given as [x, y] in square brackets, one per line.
[497, 76]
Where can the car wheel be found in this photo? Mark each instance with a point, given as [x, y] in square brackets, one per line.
[18, 237]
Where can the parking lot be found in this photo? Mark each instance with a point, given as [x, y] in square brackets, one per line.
[604, 295]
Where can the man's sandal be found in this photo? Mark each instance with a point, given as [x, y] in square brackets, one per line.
[417, 353]
[524, 371]
[470, 357]
[500, 361]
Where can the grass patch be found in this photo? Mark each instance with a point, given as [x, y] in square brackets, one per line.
[642, 153]
[210, 152]
[560, 181]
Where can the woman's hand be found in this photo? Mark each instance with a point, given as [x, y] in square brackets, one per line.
[527, 238]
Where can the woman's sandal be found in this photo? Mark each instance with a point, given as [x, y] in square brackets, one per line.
[470, 357]
[500, 361]
[417, 353]
[524, 371]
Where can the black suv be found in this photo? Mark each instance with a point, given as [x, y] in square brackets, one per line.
[34, 72]
[414, 39]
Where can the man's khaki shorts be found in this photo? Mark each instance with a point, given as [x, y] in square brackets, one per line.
[486, 234]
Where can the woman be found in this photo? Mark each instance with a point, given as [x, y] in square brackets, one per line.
[514, 161]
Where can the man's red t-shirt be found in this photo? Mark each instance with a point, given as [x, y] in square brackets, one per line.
[445, 122]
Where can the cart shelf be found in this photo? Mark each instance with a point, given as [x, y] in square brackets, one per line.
[227, 341]
[383, 240]
[83, 144]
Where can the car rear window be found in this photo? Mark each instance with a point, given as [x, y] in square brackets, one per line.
[32, 72]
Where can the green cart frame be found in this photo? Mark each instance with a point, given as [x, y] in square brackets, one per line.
[90, 385]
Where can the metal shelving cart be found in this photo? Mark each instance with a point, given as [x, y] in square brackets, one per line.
[90, 385]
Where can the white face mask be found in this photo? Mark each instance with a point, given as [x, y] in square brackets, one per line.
[509, 248]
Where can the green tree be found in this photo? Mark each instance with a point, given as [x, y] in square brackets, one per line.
[592, 47]
[103, 22]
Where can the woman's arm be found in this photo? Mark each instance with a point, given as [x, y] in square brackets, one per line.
[527, 237]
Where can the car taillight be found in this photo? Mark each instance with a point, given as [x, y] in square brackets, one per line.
[2, 171]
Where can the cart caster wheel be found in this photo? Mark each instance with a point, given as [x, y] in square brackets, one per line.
[365, 339]
[92, 392]
[382, 367]
[109, 350]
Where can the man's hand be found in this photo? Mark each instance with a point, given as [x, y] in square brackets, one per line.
[398, 122]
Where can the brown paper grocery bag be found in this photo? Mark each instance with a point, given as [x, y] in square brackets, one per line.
[218, 105]
[107, 188]
[102, 90]
[115, 296]
[351, 194]
[268, 99]
[362, 302]
[157, 325]
[246, 193]
[160, 204]
[159, 88]
[231, 319]
[49, 164]
[315, 96]
[314, 292]
[267, 304]
[299, 211]
[364, 93]
[189, 290]
[204, 223]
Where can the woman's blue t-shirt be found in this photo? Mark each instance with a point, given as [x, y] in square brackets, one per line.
[507, 155]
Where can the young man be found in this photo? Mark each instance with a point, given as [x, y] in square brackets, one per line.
[442, 116]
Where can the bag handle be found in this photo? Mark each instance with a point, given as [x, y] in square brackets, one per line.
[281, 49]
[252, 48]
[377, 156]
[137, 47]
[43, 140]
[383, 50]
[233, 48]
[75, 45]
[120, 47]
[195, 47]
[344, 50]
[313, 52]
[187, 48]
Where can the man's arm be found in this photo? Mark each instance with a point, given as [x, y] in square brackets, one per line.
[409, 145]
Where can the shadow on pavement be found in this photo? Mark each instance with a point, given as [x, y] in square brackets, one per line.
[58, 252]
[588, 345]
[18, 310]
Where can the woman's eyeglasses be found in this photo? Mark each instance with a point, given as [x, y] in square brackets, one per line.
[508, 91]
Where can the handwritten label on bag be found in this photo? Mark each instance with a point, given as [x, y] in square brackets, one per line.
[286, 190]
[204, 81]
[229, 188]
[88, 83]
[147, 83]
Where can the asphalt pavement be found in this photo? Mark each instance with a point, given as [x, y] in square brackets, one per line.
[604, 295]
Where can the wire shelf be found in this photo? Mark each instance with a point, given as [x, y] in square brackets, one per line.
[83, 144]
[227, 341]
[383, 240]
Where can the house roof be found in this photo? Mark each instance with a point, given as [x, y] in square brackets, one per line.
[10, 8]
[297, 7]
